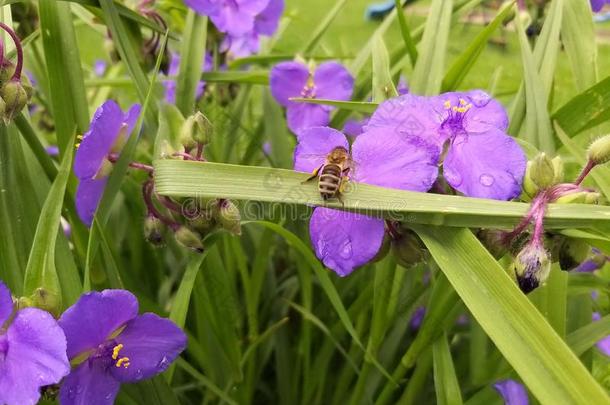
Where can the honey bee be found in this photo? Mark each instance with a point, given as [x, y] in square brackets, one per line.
[333, 174]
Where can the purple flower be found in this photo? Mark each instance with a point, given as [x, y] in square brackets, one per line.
[330, 80]
[240, 47]
[512, 392]
[417, 318]
[345, 240]
[99, 67]
[596, 261]
[234, 17]
[32, 352]
[603, 344]
[52, 150]
[353, 127]
[174, 67]
[114, 345]
[107, 134]
[597, 5]
[481, 159]
[267, 21]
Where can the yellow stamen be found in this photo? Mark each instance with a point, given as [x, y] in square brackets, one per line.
[116, 350]
[123, 361]
[76, 145]
[79, 137]
[463, 102]
[447, 104]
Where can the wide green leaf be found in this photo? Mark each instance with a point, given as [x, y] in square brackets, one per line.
[179, 178]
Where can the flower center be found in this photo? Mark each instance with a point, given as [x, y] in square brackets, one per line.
[109, 353]
[455, 119]
[120, 361]
[309, 90]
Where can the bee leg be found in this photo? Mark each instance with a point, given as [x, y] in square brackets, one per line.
[313, 175]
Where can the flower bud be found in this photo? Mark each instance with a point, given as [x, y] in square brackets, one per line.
[593, 197]
[532, 267]
[27, 86]
[153, 230]
[7, 70]
[408, 249]
[495, 241]
[15, 98]
[196, 129]
[529, 187]
[558, 170]
[46, 300]
[189, 239]
[204, 222]
[578, 197]
[572, 252]
[228, 216]
[542, 171]
[599, 150]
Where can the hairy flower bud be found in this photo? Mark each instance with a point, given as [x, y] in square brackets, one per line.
[408, 249]
[572, 252]
[189, 239]
[599, 150]
[532, 267]
[153, 230]
[15, 98]
[228, 216]
[7, 70]
[542, 171]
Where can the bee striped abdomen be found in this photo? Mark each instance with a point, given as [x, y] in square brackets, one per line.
[330, 180]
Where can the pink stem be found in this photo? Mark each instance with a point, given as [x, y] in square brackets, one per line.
[113, 158]
[585, 172]
[19, 67]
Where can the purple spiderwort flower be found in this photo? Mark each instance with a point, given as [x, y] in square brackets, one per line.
[481, 160]
[32, 352]
[596, 261]
[329, 80]
[107, 134]
[99, 67]
[174, 67]
[114, 345]
[597, 5]
[512, 392]
[242, 46]
[354, 127]
[52, 150]
[234, 17]
[344, 240]
[603, 344]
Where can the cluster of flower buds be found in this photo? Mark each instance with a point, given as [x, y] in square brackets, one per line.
[406, 247]
[15, 88]
[543, 184]
[190, 220]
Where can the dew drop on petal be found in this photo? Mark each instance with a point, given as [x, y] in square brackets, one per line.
[487, 180]
[163, 363]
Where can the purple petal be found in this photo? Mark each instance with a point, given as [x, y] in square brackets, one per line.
[512, 392]
[354, 127]
[253, 7]
[236, 17]
[267, 21]
[99, 67]
[287, 80]
[387, 159]
[403, 86]
[52, 150]
[94, 317]
[131, 118]
[170, 91]
[151, 343]
[597, 5]
[313, 146]
[487, 113]
[604, 345]
[89, 384]
[588, 266]
[242, 46]
[88, 196]
[417, 318]
[409, 116]
[204, 7]
[35, 357]
[485, 165]
[333, 81]
[304, 115]
[6, 303]
[98, 141]
[174, 64]
[344, 240]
